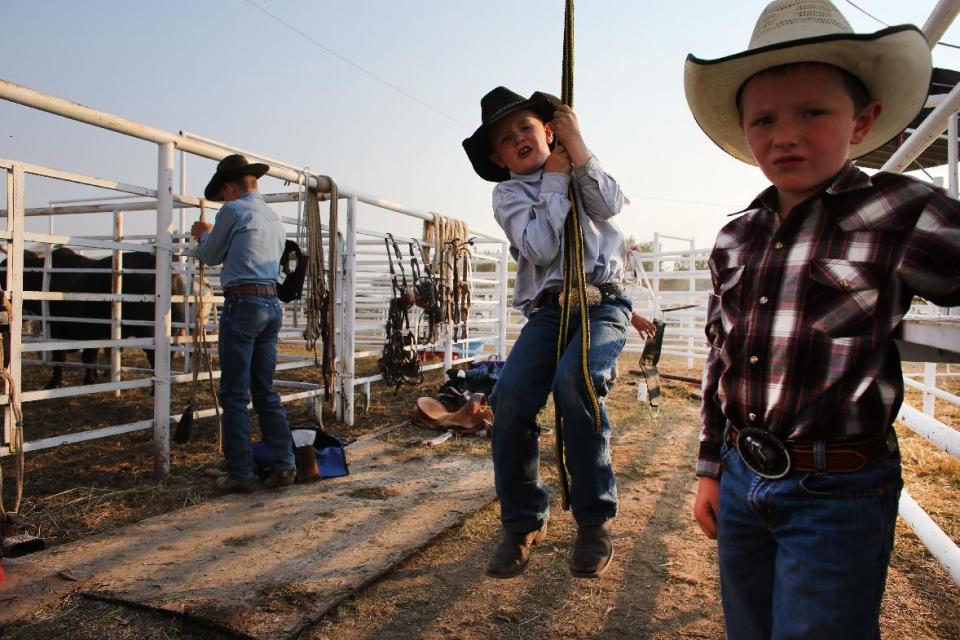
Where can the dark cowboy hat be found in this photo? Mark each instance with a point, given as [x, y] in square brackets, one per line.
[494, 106]
[230, 168]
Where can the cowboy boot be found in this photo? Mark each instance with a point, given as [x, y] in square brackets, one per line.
[511, 556]
[307, 469]
[592, 551]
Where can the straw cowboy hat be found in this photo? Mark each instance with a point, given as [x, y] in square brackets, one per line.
[894, 64]
[495, 105]
[230, 168]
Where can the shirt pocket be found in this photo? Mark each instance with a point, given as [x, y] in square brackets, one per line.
[842, 297]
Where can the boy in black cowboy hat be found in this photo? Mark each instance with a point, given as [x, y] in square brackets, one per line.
[248, 238]
[512, 147]
[798, 464]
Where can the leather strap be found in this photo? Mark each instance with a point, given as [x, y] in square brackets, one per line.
[252, 289]
[840, 457]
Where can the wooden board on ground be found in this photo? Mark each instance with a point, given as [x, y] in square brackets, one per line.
[269, 564]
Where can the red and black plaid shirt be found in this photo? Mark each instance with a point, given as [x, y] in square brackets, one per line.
[803, 312]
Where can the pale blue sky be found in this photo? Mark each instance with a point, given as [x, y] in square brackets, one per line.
[225, 70]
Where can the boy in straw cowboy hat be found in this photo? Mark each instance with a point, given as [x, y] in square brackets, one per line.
[798, 463]
[512, 147]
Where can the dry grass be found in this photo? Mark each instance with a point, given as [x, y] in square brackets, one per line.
[663, 583]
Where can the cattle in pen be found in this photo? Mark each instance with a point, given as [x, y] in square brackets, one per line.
[70, 275]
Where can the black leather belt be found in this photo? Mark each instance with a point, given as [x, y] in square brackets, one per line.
[551, 298]
[251, 289]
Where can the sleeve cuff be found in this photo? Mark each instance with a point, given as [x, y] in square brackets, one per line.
[590, 169]
[708, 460]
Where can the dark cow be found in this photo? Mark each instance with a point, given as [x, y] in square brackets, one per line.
[72, 282]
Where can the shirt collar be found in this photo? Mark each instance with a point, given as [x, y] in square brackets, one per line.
[850, 178]
[527, 177]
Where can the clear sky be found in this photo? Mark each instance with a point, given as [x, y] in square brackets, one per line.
[226, 70]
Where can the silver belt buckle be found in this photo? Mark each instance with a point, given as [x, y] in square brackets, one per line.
[764, 453]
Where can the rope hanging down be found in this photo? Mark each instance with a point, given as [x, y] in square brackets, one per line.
[321, 308]
[574, 279]
[201, 352]
[16, 440]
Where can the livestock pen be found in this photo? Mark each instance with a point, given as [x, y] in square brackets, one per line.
[363, 276]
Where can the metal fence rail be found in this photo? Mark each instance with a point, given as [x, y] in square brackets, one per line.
[360, 306]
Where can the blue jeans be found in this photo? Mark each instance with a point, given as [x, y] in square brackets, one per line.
[805, 556]
[528, 376]
[249, 329]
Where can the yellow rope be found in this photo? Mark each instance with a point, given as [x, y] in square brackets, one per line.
[574, 279]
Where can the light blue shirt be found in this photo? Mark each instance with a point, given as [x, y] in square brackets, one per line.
[531, 210]
[248, 238]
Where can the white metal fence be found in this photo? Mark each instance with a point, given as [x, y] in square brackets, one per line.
[362, 272]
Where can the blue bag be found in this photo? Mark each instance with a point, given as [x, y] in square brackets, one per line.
[331, 458]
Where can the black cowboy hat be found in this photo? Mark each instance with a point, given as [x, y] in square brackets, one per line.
[494, 106]
[230, 168]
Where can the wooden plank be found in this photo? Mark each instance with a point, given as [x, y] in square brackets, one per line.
[270, 564]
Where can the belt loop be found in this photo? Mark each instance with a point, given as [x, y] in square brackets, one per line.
[820, 456]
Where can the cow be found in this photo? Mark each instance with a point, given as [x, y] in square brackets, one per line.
[73, 282]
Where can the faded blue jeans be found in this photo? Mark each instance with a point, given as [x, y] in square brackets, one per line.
[249, 330]
[805, 556]
[529, 375]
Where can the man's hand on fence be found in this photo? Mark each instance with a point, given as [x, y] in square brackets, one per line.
[199, 228]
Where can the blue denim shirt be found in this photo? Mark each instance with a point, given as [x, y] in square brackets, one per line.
[531, 210]
[248, 238]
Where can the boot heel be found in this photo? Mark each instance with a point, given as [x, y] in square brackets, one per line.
[540, 535]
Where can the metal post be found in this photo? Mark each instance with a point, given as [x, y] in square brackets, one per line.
[503, 313]
[14, 286]
[940, 20]
[692, 288]
[952, 156]
[161, 337]
[188, 279]
[116, 287]
[656, 271]
[929, 383]
[45, 287]
[348, 327]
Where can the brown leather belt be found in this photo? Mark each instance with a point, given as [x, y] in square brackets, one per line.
[839, 457]
[251, 289]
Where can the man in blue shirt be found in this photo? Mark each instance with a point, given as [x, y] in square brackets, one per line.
[248, 238]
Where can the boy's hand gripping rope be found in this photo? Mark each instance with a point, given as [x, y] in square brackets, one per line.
[574, 279]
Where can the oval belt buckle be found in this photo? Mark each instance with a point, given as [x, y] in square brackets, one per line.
[764, 453]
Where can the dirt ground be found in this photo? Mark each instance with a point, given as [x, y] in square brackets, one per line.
[662, 584]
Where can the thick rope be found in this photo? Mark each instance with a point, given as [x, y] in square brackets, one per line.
[574, 278]
[16, 442]
[447, 236]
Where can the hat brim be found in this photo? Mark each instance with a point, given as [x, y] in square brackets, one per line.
[478, 145]
[894, 64]
[212, 192]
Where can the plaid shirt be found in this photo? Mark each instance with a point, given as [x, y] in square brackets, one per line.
[803, 312]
